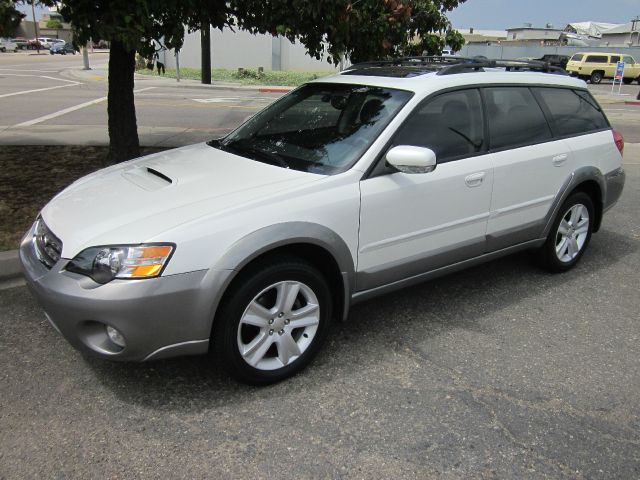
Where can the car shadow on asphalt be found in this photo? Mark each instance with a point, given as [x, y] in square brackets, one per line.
[395, 320]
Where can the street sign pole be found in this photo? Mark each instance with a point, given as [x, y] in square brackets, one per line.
[618, 77]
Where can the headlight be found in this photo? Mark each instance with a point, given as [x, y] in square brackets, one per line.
[103, 264]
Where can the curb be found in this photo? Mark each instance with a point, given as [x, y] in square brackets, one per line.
[633, 102]
[9, 265]
[153, 81]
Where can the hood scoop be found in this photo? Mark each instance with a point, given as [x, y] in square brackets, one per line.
[147, 178]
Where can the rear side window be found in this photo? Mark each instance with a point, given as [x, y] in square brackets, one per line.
[450, 124]
[574, 112]
[577, 57]
[515, 118]
[615, 58]
[597, 59]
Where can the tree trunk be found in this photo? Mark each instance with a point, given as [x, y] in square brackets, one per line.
[121, 109]
[205, 47]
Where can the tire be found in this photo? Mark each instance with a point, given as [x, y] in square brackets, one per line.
[565, 246]
[3, 49]
[596, 77]
[627, 81]
[259, 346]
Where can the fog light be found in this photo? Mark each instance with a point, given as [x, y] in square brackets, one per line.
[116, 337]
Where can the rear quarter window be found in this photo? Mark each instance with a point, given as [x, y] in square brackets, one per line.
[574, 112]
[597, 59]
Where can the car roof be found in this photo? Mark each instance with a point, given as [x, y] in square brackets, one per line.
[428, 81]
[603, 53]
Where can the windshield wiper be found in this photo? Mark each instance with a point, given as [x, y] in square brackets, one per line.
[254, 153]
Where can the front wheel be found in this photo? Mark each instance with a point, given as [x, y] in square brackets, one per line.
[273, 321]
[569, 235]
[596, 77]
[627, 81]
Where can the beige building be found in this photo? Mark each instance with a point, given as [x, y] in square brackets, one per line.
[26, 29]
[627, 35]
[528, 35]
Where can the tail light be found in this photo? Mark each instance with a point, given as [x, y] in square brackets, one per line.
[619, 139]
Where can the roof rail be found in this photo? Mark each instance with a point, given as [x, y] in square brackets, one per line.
[415, 61]
[509, 65]
[451, 65]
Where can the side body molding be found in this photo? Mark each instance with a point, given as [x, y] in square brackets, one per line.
[250, 247]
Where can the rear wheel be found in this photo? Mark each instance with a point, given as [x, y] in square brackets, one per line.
[570, 234]
[272, 321]
[596, 77]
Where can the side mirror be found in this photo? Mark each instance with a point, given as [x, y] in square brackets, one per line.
[408, 159]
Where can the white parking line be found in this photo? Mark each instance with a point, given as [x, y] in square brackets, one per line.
[70, 83]
[64, 111]
[26, 70]
[36, 90]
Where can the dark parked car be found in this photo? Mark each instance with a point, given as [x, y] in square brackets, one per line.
[62, 49]
[555, 60]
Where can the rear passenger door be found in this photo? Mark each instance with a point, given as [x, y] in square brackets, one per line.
[530, 166]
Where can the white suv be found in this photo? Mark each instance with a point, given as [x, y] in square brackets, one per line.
[349, 187]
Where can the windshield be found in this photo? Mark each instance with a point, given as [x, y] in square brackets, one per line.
[320, 128]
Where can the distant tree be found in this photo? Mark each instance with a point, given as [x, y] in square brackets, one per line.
[10, 18]
[54, 24]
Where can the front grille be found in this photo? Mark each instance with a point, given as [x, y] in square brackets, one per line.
[48, 247]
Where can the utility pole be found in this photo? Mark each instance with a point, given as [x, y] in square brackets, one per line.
[85, 56]
[35, 26]
[205, 49]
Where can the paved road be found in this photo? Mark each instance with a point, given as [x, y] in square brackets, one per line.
[44, 96]
[167, 115]
[502, 371]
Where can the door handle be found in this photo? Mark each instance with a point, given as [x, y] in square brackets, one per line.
[559, 160]
[475, 179]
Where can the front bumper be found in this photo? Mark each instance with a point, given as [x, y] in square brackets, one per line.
[159, 318]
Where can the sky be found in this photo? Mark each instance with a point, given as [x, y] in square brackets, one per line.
[502, 14]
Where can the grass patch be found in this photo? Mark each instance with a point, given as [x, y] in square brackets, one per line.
[247, 77]
[31, 175]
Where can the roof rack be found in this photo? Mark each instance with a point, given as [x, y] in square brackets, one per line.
[417, 61]
[452, 65]
[508, 65]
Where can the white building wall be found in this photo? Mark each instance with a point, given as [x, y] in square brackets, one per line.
[241, 49]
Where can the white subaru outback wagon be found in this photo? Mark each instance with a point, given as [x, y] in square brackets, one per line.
[349, 187]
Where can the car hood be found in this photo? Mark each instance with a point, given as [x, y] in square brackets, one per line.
[136, 201]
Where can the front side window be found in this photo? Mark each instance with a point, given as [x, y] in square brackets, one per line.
[515, 118]
[577, 57]
[320, 127]
[574, 112]
[450, 124]
[628, 60]
[597, 59]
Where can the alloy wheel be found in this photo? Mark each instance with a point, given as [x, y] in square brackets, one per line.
[572, 233]
[278, 325]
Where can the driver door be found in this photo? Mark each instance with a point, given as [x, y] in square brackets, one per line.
[414, 223]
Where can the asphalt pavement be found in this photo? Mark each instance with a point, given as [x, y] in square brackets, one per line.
[500, 371]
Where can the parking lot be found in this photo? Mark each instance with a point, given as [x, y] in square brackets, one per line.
[500, 371]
